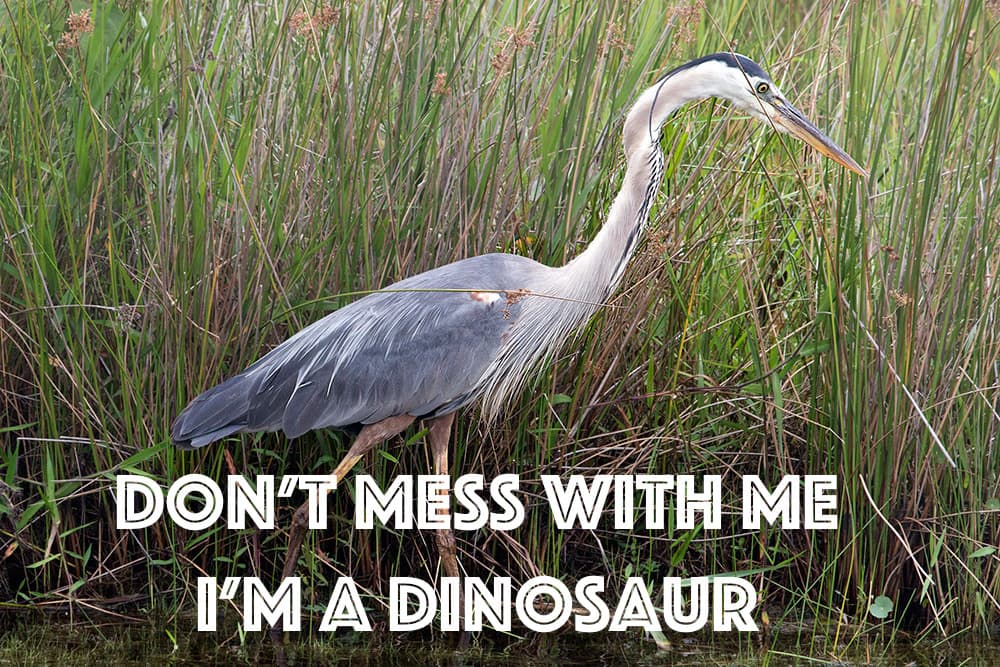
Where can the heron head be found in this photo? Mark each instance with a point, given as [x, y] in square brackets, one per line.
[750, 88]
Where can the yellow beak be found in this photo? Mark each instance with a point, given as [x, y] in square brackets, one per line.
[788, 118]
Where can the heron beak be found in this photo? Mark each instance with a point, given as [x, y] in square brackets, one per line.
[788, 118]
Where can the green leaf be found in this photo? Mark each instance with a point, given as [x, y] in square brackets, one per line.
[37, 564]
[880, 607]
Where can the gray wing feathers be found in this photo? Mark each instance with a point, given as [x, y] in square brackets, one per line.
[431, 350]
[405, 350]
[218, 412]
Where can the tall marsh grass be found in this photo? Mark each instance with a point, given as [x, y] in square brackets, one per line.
[183, 185]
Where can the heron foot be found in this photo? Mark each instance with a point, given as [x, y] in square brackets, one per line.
[370, 435]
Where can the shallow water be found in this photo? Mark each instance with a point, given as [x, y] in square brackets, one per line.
[51, 642]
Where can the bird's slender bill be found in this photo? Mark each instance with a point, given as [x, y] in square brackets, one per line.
[792, 121]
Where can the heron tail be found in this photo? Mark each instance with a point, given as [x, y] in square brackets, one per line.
[218, 412]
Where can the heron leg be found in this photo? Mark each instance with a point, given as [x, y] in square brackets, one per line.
[439, 433]
[370, 435]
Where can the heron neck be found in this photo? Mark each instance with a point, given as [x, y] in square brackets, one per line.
[595, 273]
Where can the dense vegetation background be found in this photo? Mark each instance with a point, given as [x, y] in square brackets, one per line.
[183, 185]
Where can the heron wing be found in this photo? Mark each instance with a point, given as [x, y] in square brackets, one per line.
[418, 347]
[407, 353]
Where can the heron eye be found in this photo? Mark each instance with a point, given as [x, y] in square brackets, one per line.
[762, 88]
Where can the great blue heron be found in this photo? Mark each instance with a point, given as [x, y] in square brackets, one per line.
[471, 330]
